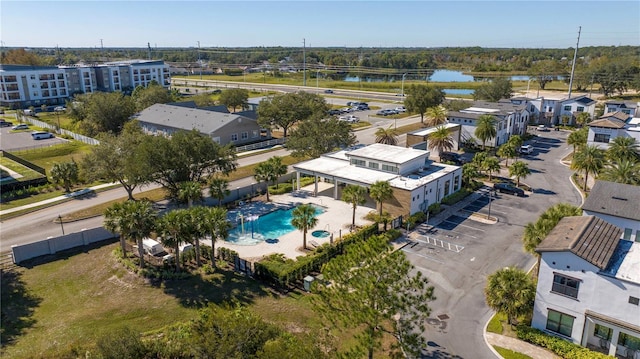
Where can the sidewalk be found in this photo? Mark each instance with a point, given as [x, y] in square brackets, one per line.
[58, 199]
[519, 346]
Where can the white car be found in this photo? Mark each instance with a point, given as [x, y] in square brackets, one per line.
[22, 126]
[41, 135]
[400, 109]
[349, 118]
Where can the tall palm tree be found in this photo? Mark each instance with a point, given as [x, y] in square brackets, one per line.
[381, 191]
[197, 227]
[589, 159]
[623, 148]
[387, 136]
[190, 192]
[261, 173]
[356, 195]
[491, 164]
[436, 116]
[519, 169]
[485, 128]
[510, 291]
[507, 150]
[516, 141]
[170, 227]
[276, 169]
[469, 173]
[303, 219]
[440, 139]
[624, 171]
[218, 189]
[215, 225]
[133, 220]
[578, 139]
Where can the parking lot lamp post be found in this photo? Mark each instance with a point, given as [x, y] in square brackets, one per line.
[58, 116]
[402, 90]
[490, 200]
[61, 224]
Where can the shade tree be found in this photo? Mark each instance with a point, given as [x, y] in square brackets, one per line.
[421, 97]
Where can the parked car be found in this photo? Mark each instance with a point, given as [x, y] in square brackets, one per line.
[335, 112]
[542, 128]
[451, 157]
[509, 189]
[328, 91]
[349, 118]
[400, 109]
[362, 107]
[59, 109]
[346, 109]
[22, 126]
[382, 113]
[4, 123]
[526, 149]
[41, 135]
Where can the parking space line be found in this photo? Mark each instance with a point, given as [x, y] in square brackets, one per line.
[421, 255]
[464, 225]
[439, 242]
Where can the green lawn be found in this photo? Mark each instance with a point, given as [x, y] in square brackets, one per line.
[510, 354]
[46, 157]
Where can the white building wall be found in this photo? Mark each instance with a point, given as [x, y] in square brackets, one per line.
[612, 132]
[601, 294]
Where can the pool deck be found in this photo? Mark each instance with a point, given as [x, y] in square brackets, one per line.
[336, 220]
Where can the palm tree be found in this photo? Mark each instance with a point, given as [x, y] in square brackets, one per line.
[197, 227]
[218, 189]
[583, 118]
[478, 160]
[169, 227]
[356, 195]
[624, 171]
[516, 141]
[491, 164]
[261, 173]
[469, 173]
[507, 150]
[387, 136]
[381, 191]
[440, 139]
[623, 148]
[510, 291]
[216, 225]
[436, 116]
[134, 220]
[304, 218]
[578, 139]
[270, 171]
[519, 169]
[589, 159]
[65, 172]
[190, 192]
[485, 129]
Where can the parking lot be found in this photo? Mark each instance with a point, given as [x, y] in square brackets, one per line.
[22, 140]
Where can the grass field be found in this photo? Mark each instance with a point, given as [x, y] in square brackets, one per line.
[56, 307]
[46, 157]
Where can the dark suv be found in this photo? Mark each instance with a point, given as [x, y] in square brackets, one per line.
[509, 189]
[451, 157]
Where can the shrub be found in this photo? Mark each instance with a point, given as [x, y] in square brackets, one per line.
[557, 345]
[435, 208]
[456, 197]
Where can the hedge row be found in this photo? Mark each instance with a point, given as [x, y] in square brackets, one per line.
[287, 187]
[557, 345]
[283, 272]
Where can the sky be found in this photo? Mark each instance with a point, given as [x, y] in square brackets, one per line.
[419, 23]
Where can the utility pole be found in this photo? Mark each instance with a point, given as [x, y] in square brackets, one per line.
[573, 65]
[304, 63]
[149, 50]
[199, 63]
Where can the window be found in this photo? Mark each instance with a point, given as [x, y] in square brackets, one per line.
[357, 162]
[234, 137]
[560, 323]
[565, 286]
[638, 235]
[601, 137]
[456, 183]
[580, 109]
[627, 234]
[391, 169]
[244, 135]
[602, 332]
[374, 165]
[629, 341]
[567, 108]
[634, 300]
[447, 184]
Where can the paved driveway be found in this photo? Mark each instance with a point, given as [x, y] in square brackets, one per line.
[459, 253]
[18, 140]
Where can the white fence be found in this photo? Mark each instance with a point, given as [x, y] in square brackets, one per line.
[259, 145]
[54, 245]
[81, 138]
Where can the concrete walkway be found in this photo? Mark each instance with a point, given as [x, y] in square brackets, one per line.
[519, 346]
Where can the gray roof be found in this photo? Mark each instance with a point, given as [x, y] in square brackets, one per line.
[589, 237]
[185, 118]
[614, 199]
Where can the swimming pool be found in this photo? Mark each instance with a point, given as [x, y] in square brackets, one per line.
[253, 229]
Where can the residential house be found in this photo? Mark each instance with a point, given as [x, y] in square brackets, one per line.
[618, 204]
[588, 288]
[417, 182]
[511, 119]
[224, 127]
[419, 139]
[570, 108]
[611, 125]
[630, 108]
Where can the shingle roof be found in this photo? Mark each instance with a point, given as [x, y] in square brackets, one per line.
[608, 122]
[589, 237]
[185, 118]
[614, 199]
[619, 115]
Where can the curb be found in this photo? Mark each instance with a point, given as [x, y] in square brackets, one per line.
[486, 341]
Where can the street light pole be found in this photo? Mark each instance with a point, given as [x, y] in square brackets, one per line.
[317, 74]
[402, 91]
[199, 63]
[58, 115]
[489, 214]
[61, 224]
